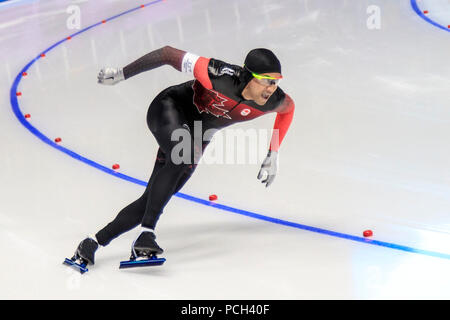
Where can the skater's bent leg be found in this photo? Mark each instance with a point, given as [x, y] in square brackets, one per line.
[163, 119]
[130, 216]
[162, 184]
[159, 163]
[162, 189]
[189, 171]
[184, 178]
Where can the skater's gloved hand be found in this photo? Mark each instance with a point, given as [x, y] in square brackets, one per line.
[110, 76]
[269, 167]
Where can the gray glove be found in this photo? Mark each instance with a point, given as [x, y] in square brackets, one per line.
[269, 167]
[110, 76]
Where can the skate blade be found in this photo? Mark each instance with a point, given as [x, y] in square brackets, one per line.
[153, 261]
[78, 266]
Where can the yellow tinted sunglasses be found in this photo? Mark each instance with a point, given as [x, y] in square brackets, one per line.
[265, 79]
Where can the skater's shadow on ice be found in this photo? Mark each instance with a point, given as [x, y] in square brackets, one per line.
[215, 230]
[190, 243]
[159, 271]
[208, 241]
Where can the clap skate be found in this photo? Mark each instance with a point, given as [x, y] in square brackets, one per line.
[83, 256]
[144, 252]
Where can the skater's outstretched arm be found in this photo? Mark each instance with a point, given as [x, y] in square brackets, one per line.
[165, 55]
[203, 69]
[181, 60]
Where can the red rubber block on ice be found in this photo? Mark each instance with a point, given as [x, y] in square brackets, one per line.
[115, 166]
[425, 12]
[42, 55]
[24, 74]
[58, 140]
[18, 94]
[27, 116]
[367, 233]
[212, 197]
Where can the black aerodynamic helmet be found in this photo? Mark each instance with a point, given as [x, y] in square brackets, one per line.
[262, 60]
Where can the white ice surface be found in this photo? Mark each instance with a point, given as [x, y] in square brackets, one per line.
[368, 149]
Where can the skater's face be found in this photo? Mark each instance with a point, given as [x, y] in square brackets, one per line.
[260, 88]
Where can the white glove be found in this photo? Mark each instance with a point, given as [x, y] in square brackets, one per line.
[269, 167]
[110, 76]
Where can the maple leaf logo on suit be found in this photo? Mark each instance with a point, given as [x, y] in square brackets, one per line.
[209, 101]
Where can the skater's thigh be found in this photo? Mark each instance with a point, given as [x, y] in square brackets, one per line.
[164, 111]
[164, 118]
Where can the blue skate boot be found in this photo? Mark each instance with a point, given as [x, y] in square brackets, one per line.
[144, 252]
[84, 255]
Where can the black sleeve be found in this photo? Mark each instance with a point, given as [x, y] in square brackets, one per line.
[155, 59]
